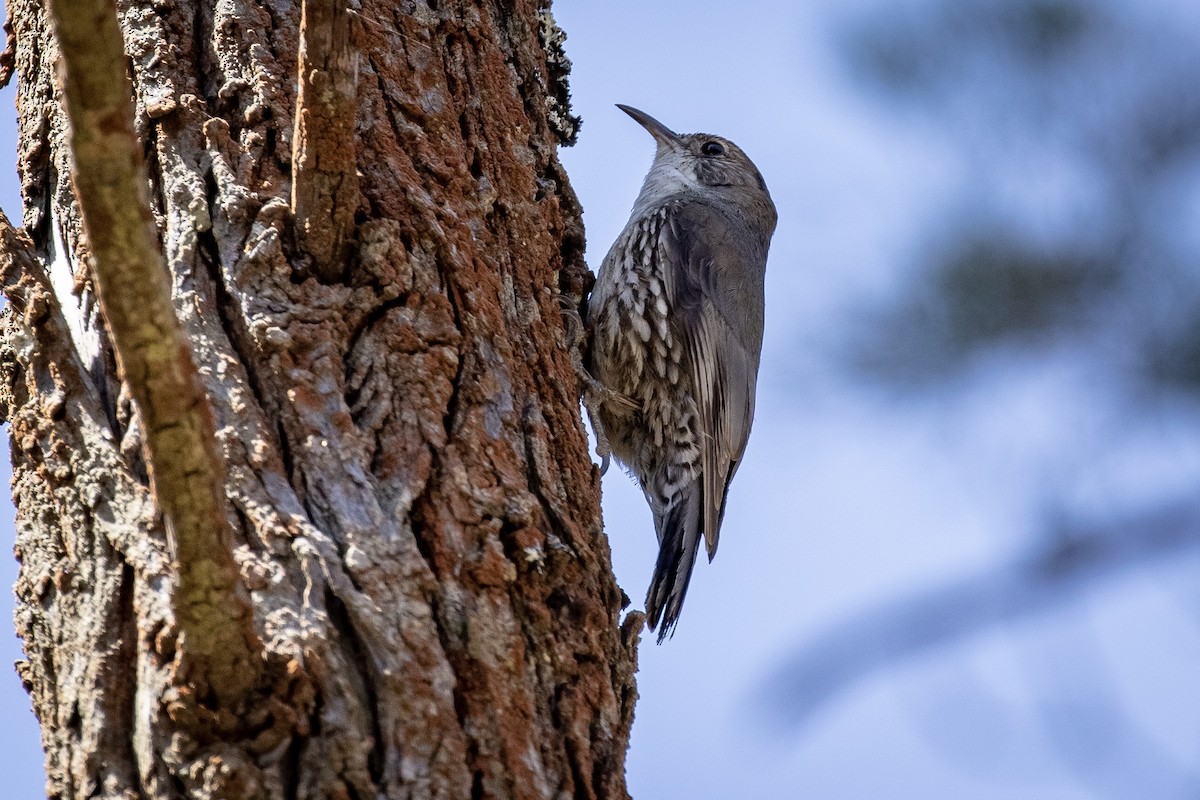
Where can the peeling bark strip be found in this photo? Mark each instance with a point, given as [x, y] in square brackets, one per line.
[218, 650]
[324, 176]
[407, 485]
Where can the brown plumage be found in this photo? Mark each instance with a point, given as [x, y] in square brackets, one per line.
[676, 322]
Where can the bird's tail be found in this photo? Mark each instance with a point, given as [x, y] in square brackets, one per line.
[680, 529]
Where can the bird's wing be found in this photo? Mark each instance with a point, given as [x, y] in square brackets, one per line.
[714, 285]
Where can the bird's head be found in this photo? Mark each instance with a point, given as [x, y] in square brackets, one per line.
[696, 161]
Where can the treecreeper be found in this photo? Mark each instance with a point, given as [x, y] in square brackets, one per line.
[675, 324]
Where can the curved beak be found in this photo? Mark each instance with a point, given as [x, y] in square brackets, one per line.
[661, 133]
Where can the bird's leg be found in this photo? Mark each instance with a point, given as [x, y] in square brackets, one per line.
[594, 392]
[576, 336]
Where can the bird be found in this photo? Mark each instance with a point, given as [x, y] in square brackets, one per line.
[675, 325]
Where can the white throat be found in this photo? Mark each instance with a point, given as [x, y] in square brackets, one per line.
[664, 180]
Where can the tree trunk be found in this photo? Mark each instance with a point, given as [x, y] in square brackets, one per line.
[414, 513]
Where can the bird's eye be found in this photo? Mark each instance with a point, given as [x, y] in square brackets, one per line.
[713, 149]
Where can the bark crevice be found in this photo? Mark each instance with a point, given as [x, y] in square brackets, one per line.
[413, 511]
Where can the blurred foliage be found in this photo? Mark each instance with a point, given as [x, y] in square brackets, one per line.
[916, 51]
[989, 289]
[995, 288]
[1078, 124]
[1176, 362]
[1070, 247]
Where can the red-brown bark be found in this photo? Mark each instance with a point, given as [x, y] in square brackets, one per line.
[413, 508]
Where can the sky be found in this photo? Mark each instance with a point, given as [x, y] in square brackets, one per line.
[20, 740]
[848, 499]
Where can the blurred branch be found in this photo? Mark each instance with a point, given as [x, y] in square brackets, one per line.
[899, 629]
[218, 649]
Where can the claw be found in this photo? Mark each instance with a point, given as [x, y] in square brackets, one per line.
[602, 447]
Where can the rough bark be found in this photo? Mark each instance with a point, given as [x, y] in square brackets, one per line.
[221, 654]
[412, 505]
[324, 176]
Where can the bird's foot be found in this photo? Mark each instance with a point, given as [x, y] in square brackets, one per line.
[594, 393]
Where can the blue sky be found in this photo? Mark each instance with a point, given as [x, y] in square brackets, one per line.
[20, 743]
[846, 498]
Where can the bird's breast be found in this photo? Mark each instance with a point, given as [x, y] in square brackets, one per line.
[634, 338]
